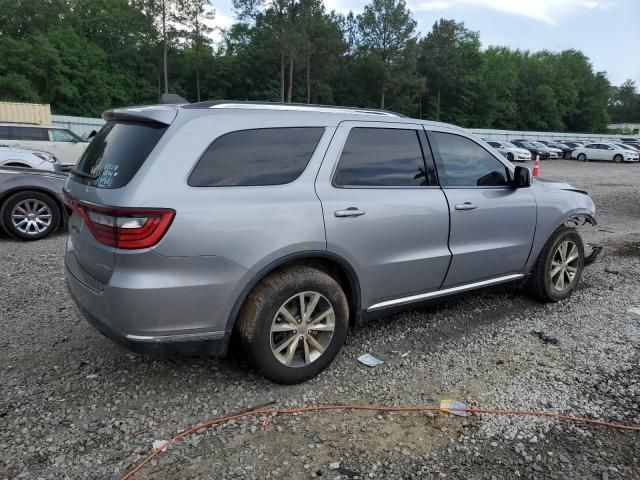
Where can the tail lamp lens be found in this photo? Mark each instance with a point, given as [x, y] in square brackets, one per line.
[126, 228]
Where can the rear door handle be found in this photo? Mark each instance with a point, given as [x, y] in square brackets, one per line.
[349, 212]
[466, 206]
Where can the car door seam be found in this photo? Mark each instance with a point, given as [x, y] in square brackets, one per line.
[315, 185]
[436, 163]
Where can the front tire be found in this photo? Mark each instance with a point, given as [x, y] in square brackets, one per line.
[293, 324]
[618, 158]
[558, 268]
[510, 156]
[30, 215]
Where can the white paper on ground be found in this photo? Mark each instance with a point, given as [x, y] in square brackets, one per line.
[160, 445]
[369, 360]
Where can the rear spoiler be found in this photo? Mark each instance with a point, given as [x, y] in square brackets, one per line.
[163, 114]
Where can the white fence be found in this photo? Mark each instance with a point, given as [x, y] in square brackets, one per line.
[84, 125]
[79, 125]
[557, 136]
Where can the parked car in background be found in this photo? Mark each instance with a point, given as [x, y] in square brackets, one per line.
[31, 203]
[573, 144]
[605, 152]
[565, 149]
[23, 157]
[510, 151]
[631, 142]
[628, 146]
[264, 226]
[553, 152]
[65, 145]
[541, 153]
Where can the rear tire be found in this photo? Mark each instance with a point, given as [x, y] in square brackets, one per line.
[284, 343]
[567, 155]
[558, 268]
[618, 158]
[30, 215]
[582, 157]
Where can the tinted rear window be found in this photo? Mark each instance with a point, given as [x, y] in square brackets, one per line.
[268, 156]
[117, 152]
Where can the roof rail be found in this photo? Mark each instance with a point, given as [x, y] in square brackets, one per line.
[19, 123]
[299, 107]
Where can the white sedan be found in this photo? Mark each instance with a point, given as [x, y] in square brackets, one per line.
[25, 158]
[509, 150]
[604, 151]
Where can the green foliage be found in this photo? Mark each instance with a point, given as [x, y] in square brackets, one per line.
[624, 103]
[386, 40]
[86, 56]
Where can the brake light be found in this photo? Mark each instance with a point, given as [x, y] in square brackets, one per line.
[127, 228]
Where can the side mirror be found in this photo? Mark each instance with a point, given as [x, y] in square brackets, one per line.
[521, 177]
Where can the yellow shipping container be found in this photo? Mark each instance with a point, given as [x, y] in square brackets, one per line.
[39, 113]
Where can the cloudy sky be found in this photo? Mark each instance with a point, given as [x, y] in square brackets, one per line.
[607, 31]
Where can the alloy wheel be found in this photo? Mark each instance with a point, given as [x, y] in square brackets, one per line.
[564, 266]
[302, 329]
[31, 216]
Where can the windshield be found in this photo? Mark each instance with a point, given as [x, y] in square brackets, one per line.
[509, 145]
[538, 144]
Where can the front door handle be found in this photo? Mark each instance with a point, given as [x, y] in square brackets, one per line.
[466, 206]
[349, 212]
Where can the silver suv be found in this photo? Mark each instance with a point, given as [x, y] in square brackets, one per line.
[286, 224]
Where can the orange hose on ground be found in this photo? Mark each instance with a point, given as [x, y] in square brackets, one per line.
[382, 408]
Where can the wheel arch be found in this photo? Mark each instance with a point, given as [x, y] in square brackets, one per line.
[334, 265]
[579, 219]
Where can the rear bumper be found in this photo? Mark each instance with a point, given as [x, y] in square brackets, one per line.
[153, 303]
[216, 346]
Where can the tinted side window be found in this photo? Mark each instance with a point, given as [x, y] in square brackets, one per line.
[467, 164]
[4, 133]
[26, 133]
[267, 156]
[382, 157]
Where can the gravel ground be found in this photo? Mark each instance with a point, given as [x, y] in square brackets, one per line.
[73, 404]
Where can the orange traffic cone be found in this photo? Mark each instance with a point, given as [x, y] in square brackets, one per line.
[536, 167]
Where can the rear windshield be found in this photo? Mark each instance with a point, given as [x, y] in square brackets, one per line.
[116, 153]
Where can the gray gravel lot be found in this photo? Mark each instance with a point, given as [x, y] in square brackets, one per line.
[71, 402]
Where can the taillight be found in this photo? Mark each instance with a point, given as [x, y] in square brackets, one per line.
[127, 228]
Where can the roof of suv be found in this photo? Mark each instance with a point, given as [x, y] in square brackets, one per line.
[166, 113]
[32, 125]
[298, 107]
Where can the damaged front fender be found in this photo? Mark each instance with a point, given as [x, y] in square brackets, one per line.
[580, 221]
